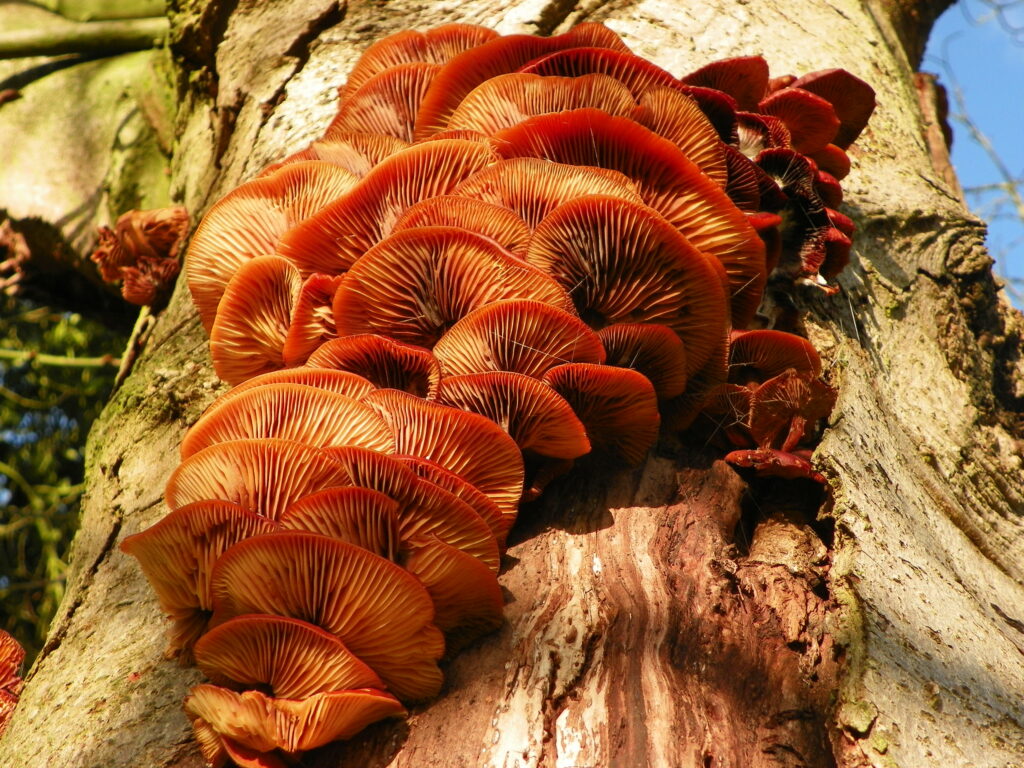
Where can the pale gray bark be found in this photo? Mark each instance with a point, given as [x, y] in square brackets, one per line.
[638, 632]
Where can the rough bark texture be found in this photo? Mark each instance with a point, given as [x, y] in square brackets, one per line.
[663, 616]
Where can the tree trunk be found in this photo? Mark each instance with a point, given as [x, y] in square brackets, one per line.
[666, 616]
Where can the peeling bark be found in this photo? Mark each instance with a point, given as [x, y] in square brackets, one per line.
[665, 616]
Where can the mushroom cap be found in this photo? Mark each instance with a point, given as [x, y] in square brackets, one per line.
[616, 405]
[811, 120]
[761, 354]
[673, 115]
[376, 471]
[466, 594]
[382, 614]
[538, 419]
[745, 78]
[12, 656]
[786, 409]
[262, 475]
[261, 723]
[386, 363]
[312, 320]
[360, 516]
[533, 187]
[636, 73]
[414, 285]
[249, 222]
[852, 99]
[490, 220]
[468, 444]
[292, 658]
[433, 472]
[435, 46]
[768, 462]
[331, 241]
[328, 379]
[668, 182]
[656, 351]
[521, 336]
[355, 152]
[177, 556]
[506, 100]
[253, 318]
[295, 412]
[426, 512]
[387, 103]
[503, 55]
[621, 262]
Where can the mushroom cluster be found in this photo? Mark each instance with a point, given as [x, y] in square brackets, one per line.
[503, 253]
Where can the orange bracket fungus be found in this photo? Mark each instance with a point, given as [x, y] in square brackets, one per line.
[502, 255]
[12, 655]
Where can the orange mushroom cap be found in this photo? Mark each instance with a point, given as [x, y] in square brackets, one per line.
[387, 103]
[533, 187]
[328, 379]
[253, 317]
[538, 419]
[331, 241]
[177, 555]
[416, 284]
[260, 723]
[656, 351]
[249, 221]
[386, 363]
[312, 320]
[489, 220]
[623, 263]
[262, 475]
[292, 658]
[360, 516]
[503, 55]
[381, 613]
[435, 46]
[355, 152]
[12, 656]
[295, 412]
[745, 78]
[759, 355]
[433, 472]
[506, 100]
[668, 182]
[521, 336]
[616, 405]
[468, 444]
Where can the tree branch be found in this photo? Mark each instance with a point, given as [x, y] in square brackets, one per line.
[105, 37]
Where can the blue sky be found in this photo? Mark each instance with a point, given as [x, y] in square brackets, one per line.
[972, 45]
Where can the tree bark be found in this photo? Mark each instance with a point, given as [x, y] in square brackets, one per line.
[665, 616]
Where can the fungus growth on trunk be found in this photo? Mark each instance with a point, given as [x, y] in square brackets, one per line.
[503, 254]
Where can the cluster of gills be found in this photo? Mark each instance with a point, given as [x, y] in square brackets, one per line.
[12, 655]
[504, 253]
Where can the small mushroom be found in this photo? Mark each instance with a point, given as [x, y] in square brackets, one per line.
[177, 556]
[501, 56]
[331, 241]
[380, 612]
[654, 350]
[287, 658]
[312, 321]
[387, 364]
[250, 220]
[416, 284]
[616, 405]
[253, 317]
[745, 78]
[518, 335]
[495, 222]
[264, 475]
[297, 412]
